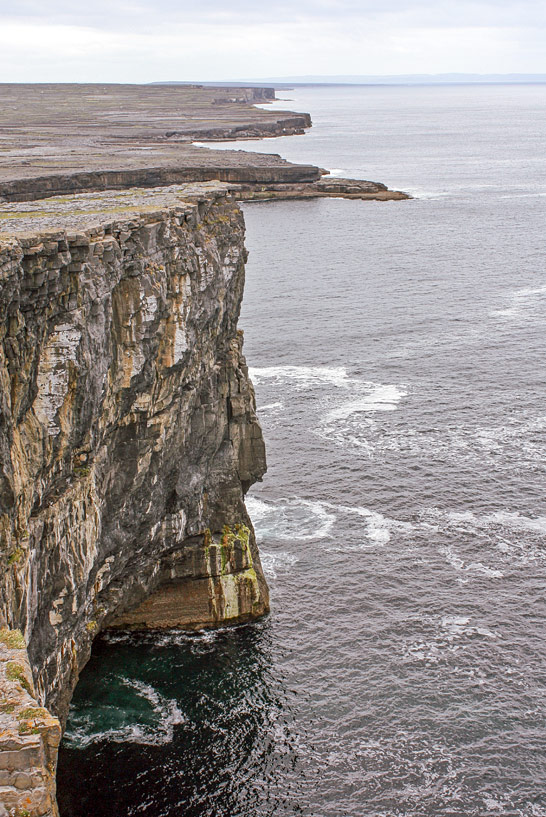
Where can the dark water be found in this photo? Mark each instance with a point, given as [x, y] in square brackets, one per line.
[398, 352]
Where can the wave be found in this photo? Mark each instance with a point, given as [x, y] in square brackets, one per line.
[522, 302]
[271, 406]
[157, 730]
[378, 528]
[257, 509]
[379, 398]
[473, 545]
[343, 405]
[275, 563]
[302, 376]
[167, 638]
[295, 519]
[419, 193]
[290, 519]
[370, 396]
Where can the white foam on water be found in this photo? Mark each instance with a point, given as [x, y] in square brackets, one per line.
[507, 537]
[478, 567]
[379, 398]
[344, 411]
[275, 563]
[302, 519]
[452, 634]
[379, 528]
[257, 509]
[452, 559]
[270, 406]
[338, 433]
[302, 376]
[351, 423]
[521, 302]
[458, 626]
[290, 519]
[507, 519]
[338, 171]
[419, 193]
[459, 564]
[520, 443]
[166, 712]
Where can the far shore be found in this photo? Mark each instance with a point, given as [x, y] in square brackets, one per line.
[62, 139]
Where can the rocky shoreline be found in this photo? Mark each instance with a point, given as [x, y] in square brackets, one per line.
[128, 431]
[324, 187]
[58, 140]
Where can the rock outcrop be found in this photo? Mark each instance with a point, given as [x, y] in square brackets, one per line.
[128, 436]
[200, 166]
[29, 736]
[67, 139]
[62, 139]
[324, 187]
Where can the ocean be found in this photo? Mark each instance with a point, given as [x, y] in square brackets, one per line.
[398, 351]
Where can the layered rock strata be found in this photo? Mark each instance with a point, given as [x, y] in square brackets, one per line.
[128, 432]
[229, 166]
[64, 139]
[29, 736]
[60, 140]
[325, 187]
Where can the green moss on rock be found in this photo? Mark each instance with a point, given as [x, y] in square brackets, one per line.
[15, 672]
[13, 639]
[32, 713]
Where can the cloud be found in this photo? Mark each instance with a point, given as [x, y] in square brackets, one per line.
[135, 41]
[132, 15]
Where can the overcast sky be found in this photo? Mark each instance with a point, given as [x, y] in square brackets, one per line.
[148, 40]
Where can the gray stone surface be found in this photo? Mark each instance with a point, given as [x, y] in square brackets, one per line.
[129, 432]
[29, 736]
[60, 139]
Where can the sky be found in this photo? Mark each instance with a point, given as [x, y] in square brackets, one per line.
[211, 40]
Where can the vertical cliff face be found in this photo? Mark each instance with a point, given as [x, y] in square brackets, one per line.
[128, 433]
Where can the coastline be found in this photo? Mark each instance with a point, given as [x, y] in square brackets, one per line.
[113, 335]
[59, 140]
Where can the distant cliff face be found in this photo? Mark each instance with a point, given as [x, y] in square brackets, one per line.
[128, 433]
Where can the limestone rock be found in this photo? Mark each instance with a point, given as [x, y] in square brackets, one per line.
[29, 736]
[128, 432]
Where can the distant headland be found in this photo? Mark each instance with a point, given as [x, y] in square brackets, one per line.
[60, 139]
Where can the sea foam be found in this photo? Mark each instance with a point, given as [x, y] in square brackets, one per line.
[159, 730]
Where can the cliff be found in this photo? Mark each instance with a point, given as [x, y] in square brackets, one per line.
[61, 139]
[66, 139]
[128, 438]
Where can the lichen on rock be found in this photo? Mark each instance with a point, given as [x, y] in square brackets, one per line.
[127, 428]
[29, 736]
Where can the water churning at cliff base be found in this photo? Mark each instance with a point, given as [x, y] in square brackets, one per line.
[398, 356]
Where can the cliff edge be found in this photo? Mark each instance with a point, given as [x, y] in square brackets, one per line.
[62, 139]
[128, 439]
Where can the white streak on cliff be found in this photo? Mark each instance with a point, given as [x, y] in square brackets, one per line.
[53, 375]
